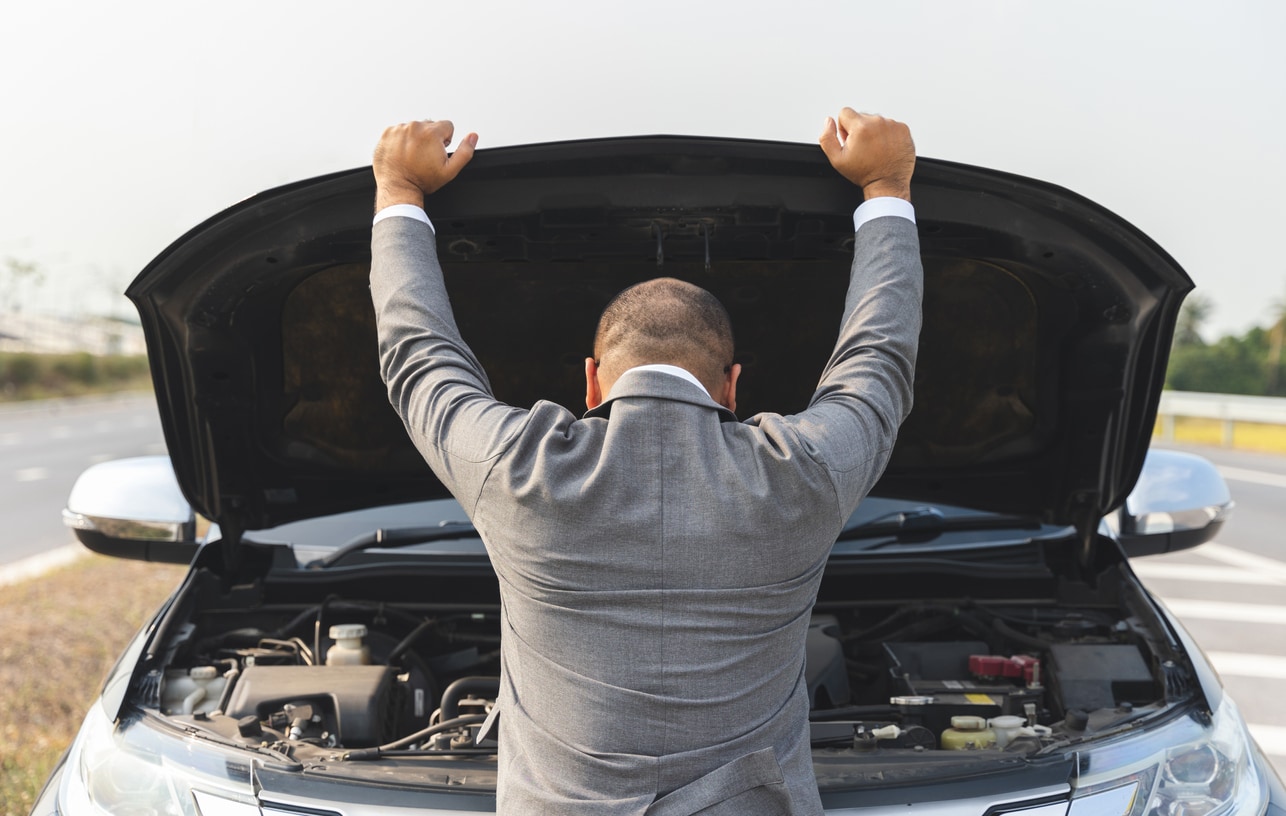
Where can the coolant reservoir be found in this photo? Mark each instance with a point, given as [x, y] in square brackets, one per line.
[967, 734]
[1008, 727]
[349, 649]
[195, 691]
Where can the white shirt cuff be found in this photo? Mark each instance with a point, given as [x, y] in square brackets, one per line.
[406, 211]
[878, 208]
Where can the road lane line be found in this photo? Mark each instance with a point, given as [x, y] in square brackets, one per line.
[1198, 572]
[1255, 476]
[1271, 738]
[60, 432]
[1225, 611]
[36, 565]
[10, 439]
[1242, 664]
[34, 474]
[1245, 560]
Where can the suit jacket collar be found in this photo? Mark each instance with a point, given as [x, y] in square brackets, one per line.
[658, 385]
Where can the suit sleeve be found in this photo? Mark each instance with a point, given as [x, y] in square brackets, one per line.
[865, 390]
[435, 383]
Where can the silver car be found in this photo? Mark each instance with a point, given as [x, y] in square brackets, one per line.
[979, 644]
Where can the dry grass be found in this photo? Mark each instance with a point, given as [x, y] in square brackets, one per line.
[63, 631]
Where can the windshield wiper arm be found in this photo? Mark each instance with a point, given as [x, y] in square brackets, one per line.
[397, 537]
[927, 523]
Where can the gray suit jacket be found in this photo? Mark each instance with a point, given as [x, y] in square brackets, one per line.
[657, 559]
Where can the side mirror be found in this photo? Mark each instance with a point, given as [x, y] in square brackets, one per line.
[1180, 501]
[133, 508]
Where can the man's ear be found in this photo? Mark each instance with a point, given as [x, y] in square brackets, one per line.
[729, 400]
[593, 393]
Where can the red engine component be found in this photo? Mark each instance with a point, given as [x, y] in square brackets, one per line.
[1024, 667]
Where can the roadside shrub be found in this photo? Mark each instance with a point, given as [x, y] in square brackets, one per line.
[121, 367]
[19, 370]
[78, 368]
[41, 376]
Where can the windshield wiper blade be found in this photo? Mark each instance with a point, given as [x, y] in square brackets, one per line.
[397, 537]
[927, 523]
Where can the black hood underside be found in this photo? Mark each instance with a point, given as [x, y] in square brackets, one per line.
[1047, 319]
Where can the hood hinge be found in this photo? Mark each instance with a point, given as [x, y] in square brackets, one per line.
[231, 533]
[1085, 517]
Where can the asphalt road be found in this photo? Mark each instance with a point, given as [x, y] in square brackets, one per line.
[45, 446]
[1230, 594]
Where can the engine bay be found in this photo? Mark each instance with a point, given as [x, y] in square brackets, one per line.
[384, 668]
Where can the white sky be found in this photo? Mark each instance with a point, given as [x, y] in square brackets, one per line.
[124, 124]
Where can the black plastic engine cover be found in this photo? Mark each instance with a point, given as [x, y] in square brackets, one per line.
[360, 704]
[1092, 676]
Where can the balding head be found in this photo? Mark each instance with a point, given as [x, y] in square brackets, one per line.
[665, 320]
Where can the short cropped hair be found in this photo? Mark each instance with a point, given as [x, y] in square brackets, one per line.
[665, 320]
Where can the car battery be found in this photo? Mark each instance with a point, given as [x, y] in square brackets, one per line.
[932, 682]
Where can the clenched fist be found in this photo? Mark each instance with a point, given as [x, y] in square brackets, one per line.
[873, 152]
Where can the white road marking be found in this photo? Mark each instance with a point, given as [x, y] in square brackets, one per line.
[1199, 572]
[1255, 476]
[60, 432]
[104, 426]
[100, 457]
[1243, 664]
[1245, 560]
[1271, 738]
[37, 565]
[10, 439]
[1225, 611]
[34, 474]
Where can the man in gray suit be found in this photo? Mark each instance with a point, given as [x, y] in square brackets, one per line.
[657, 558]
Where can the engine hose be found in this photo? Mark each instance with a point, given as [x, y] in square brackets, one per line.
[445, 725]
[488, 687]
[317, 626]
[408, 641]
[1010, 633]
[229, 680]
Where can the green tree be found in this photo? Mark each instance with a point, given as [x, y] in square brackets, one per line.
[1273, 363]
[1192, 317]
[1231, 365]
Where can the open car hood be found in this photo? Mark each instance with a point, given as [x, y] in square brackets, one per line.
[1047, 319]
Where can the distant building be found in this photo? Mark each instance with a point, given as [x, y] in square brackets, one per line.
[48, 334]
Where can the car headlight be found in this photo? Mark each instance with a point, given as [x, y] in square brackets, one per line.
[136, 770]
[1184, 768]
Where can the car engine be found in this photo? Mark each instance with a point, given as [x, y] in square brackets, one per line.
[361, 674]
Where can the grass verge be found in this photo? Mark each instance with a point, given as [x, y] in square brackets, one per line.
[63, 631]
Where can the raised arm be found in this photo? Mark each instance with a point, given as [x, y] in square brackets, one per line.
[434, 381]
[865, 390]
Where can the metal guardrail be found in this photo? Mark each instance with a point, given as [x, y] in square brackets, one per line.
[1229, 409]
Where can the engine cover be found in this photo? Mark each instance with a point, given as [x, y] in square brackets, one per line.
[361, 705]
